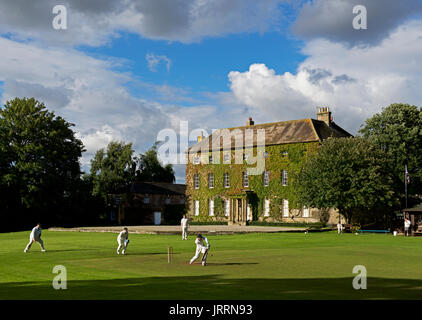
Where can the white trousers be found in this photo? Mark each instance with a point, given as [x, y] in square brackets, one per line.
[28, 246]
[123, 244]
[184, 233]
[198, 253]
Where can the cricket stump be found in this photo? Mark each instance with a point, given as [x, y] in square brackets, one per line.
[170, 254]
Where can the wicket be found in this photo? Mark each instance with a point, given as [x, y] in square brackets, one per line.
[170, 254]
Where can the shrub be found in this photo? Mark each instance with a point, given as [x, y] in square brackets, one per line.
[173, 213]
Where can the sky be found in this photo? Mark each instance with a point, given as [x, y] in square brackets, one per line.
[125, 70]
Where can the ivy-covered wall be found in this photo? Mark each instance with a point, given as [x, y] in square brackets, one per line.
[275, 163]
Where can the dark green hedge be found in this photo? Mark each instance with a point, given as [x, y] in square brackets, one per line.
[173, 213]
[316, 225]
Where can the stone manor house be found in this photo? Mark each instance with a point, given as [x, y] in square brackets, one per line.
[219, 188]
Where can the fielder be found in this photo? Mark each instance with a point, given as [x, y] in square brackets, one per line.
[407, 225]
[35, 236]
[123, 240]
[201, 248]
[184, 223]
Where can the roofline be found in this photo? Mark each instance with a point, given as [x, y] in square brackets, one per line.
[338, 128]
[313, 128]
[257, 126]
[262, 125]
[151, 182]
[266, 124]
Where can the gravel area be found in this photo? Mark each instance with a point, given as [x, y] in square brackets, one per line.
[210, 229]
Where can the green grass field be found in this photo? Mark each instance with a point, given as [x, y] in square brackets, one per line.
[248, 266]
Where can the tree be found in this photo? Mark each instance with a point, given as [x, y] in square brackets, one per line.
[39, 166]
[398, 131]
[151, 170]
[112, 169]
[349, 174]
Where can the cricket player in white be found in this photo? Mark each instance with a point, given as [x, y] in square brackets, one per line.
[184, 223]
[35, 236]
[202, 246]
[407, 225]
[339, 228]
[123, 240]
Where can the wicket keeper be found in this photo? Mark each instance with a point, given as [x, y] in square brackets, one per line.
[202, 246]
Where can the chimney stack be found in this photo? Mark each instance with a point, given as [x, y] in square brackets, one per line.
[324, 114]
[250, 122]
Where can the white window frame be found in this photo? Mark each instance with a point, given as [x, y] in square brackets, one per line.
[249, 212]
[284, 178]
[227, 208]
[211, 208]
[210, 180]
[305, 212]
[226, 180]
[196, 160]
[196, 208]
[245, 179]
[286, 208]
[266, 178]
[226, 157]
[266, 207]
[196, 180]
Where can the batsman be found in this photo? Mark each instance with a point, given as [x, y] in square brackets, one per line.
[202, 246]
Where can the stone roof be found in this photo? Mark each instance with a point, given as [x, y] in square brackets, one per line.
[417, 208]
[294, 131]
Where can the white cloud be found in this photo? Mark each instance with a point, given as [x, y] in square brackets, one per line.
[355, 82]
[270, 95]
[154, 60]
[96, 139]
[83, 90]
[57, 96]
[94, 22]
[332, 19]
[87, 92]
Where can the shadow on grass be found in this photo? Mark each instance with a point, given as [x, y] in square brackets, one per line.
[215, 287]
[112, 253]
[145, 253]
[227, 264]
[65, 250]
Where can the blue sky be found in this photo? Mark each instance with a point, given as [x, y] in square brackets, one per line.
[203, 66]
[125, 70]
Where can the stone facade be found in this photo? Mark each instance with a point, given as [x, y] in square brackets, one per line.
[222, 183]
[137, 204]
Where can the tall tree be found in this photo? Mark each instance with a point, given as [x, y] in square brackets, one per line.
[112, 169]
[398, 131]
[39, 166]
[349, 174]
[150, 168]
